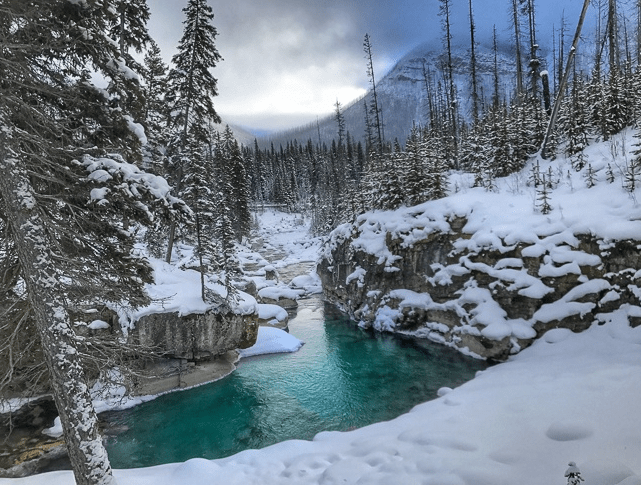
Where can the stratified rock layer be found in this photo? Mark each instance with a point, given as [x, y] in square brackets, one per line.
[491, 301]
[196, 336]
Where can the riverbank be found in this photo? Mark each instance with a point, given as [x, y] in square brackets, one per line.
[282, 252]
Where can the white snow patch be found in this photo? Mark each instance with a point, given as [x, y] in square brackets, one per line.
[272, 341]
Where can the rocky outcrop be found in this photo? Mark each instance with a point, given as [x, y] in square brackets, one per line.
[490, 300]
[196, 337]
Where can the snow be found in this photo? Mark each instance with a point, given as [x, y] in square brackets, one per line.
[272, 341]
[272, 313]
[56, 430]
[569, 397]
[276, 293]
[98, 325]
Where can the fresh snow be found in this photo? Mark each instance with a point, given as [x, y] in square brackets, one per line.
[272, 341]
[498, 221]
[569, 398]
[272, 313]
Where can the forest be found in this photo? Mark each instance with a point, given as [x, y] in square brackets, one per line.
[89, 169]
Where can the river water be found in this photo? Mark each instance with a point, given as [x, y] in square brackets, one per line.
[342, 378]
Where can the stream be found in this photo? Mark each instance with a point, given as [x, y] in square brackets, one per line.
[344, 377]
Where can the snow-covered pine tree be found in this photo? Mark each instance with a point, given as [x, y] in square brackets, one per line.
[197, 192]
[590, 177]
[534, 179]
[413, 167]
[238, 182]
[224, 215]
[62, 196]
[609, 174]
[543, 196]
[129, 25]
[573, 474]
[191, 87]
[393, 189]
[154, 74]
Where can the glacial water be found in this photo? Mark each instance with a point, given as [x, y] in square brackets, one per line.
[342, 378]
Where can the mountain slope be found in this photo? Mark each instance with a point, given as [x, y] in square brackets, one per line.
[402, 93]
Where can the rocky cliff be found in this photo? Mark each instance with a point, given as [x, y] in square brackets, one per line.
[485, 291]
[196, 337]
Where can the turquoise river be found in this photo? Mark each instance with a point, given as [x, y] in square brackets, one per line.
[344, 377]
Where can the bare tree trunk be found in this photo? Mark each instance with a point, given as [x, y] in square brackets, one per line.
[545, 81]
[496, 97]
[475, 90]
[517, 43]
[613, 35]
[80, 425]
[535, 62]
[559, 96]
[452, 105]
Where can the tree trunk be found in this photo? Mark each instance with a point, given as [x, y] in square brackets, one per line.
[559, 96]
[475, 90]
[517, 40]
[80, 425]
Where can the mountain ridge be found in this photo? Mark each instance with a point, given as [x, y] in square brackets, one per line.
[402, 94]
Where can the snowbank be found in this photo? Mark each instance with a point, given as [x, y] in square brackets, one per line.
[569, 397]
[272, 341]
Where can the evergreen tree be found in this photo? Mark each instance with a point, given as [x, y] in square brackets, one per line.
[191, 87]
[543, 197]
[129, 26]
[375, 109]
[573, 474]
[62, 197]
[198, 193]
[154, 75]
[590, 177]
[414, 169]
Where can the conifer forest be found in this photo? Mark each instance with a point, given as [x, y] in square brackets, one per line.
[106, 146]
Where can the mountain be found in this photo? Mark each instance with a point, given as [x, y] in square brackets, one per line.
[402, 93]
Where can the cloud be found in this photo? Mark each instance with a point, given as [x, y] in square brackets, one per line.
[290, 58]
[288, 61]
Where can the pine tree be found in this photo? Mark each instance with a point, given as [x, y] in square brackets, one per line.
[62, 198]
[238, 182]
[154, 75]
[198, 193]
[609, 174]
[414, 169]
[590, 177]
[543, 196]
[191, 87]
[375, 107]
[129, 26]
[573, 474]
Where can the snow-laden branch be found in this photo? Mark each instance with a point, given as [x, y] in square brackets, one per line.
[116, 176]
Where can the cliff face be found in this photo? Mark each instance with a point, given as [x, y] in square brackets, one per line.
[490, 298]
[196, 336]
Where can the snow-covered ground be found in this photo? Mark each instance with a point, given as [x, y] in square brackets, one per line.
[567, 398]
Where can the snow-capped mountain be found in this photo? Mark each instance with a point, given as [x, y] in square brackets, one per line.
[402, 93]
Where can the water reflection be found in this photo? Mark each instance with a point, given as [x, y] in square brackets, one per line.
[343, 377]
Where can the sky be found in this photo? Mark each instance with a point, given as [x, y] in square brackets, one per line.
[287, 62]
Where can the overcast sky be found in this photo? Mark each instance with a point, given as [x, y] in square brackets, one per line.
[288, 61]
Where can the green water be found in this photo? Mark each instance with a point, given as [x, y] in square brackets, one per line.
[342, 378]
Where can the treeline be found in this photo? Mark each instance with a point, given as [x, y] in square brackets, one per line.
[337, 182]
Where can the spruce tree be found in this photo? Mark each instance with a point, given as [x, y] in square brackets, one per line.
[191, 87]
[154, 74]
[63, 193]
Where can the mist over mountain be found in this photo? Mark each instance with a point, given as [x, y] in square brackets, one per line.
[402, 93]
